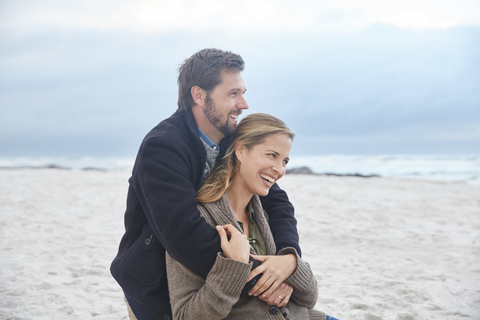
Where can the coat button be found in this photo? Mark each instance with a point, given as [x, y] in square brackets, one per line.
[273, 310]
[166, 317]
[148, 241]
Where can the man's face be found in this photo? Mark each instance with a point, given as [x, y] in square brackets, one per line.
[225, 103]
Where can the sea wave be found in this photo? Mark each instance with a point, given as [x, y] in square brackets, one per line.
[78, 163]
[433, 167]
[464, 167]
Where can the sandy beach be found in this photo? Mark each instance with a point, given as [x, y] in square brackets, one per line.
[381, 248]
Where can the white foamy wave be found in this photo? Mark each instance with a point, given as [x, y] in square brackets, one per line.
[69, 163]
[432, 167]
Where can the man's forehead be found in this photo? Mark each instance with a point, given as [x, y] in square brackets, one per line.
[233, 80]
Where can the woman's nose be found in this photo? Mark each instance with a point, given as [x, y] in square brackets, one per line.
[279, 169]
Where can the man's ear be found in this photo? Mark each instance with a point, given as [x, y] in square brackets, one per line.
[240, 149]
[199, 95]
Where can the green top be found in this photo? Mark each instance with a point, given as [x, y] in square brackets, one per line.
[254, 237]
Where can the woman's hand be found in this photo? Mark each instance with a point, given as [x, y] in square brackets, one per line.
[275, 270]
[280, 297]
[234, 244]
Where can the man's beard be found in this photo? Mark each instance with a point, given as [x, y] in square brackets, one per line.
[212, 114]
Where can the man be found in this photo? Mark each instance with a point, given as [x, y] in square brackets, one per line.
[172, 163]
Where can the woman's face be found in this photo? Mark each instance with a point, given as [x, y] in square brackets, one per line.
[264, 164]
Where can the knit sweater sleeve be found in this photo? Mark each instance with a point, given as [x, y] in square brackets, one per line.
[303, 282]
[192, 297]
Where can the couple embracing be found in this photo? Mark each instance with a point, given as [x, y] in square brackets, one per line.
[209, 234]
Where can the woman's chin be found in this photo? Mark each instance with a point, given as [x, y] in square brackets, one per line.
[263, 193]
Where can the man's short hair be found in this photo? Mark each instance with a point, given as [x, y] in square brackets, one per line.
[204, 69]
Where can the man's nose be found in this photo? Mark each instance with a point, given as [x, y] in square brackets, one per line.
[243, 104]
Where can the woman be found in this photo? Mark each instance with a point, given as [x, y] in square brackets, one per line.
[254, 161]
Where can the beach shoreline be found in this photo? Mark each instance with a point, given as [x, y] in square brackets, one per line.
[381, 248]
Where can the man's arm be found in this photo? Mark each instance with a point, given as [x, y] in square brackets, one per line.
[163, 184]
[281, 219]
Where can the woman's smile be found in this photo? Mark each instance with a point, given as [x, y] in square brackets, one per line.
[263, 164]
[267, 178]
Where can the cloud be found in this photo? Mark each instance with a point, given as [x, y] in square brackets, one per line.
[417, 15]
[92, 80]
[239, 19]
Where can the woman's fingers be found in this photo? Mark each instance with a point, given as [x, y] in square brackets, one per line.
[259, 258]
[236, 247]
[265, 282]
[229, 229]
[255, 272]
[285, 300]
[268, 287]
[222, 234]
[275, 270]
[280, 296]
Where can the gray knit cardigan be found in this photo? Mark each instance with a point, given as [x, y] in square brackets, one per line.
[218, 297]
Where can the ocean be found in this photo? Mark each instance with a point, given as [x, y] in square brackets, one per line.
[465, 167]
[430, 167]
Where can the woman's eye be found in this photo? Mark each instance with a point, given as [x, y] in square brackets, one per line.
[285, 162]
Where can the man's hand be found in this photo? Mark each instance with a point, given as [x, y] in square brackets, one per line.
[275, 270]
[280, 297]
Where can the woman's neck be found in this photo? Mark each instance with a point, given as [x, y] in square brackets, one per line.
[238, 197]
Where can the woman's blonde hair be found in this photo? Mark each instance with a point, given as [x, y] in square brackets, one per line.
[252, 130]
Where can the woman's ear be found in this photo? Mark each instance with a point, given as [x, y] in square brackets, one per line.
[199, 95]
[240, 150]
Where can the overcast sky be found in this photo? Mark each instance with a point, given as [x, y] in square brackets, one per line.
[91, 78]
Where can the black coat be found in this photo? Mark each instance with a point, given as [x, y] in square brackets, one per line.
[162, 213]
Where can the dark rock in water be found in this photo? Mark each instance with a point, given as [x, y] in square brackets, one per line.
[300, 170]
[93, 169]
[307, 170]
[350, 175]
[53, 166]
[48, 166]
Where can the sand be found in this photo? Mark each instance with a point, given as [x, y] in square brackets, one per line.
[380, 248]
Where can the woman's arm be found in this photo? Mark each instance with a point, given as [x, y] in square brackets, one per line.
[192, 297]
[286, 267]
[305, 290]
